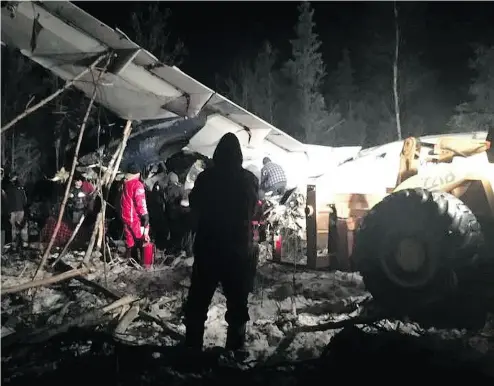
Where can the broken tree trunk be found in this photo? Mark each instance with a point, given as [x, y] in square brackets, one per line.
[92, 241]
[72, 237]
[358, 320]
[52, 96]
[114, 163]
[127, 319]
[125, 137]
[107, 175]
[143, 314]
[44, 282]
[71, 176]
[107, 180]
[91, 318]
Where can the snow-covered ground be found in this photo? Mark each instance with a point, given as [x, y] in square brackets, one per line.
[285, 298]
[315, 296]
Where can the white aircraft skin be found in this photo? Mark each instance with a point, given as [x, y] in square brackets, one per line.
[373, 170]
[139, 87]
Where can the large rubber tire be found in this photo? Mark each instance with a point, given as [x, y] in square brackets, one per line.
[441, 223]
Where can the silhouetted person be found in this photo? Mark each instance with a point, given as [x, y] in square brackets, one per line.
[16, 208]
[273, 178]
[78, 201]
[157, 214]
[174, 194]
[222, 202]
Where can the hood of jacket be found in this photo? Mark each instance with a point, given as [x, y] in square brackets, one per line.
[228, 153]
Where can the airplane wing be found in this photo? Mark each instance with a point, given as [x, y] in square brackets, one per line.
[65, 40]
[225, 116]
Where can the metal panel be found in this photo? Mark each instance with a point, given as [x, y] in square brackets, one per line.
[242, 117]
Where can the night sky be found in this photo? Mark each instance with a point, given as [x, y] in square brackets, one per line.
[217, 33]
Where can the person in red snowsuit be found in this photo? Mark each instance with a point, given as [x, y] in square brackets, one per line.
[133, 210]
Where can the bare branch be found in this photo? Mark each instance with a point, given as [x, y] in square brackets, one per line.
[125, 137]
[107, 179]
[44, 282]
[71, 176]
[52, 96]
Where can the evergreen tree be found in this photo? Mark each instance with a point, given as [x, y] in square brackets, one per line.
[342, 87]
[478, 113]
[305, 72]
[150, 30]
[253, 85]
[266, 91]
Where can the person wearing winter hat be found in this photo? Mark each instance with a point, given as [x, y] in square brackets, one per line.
[133, 210]
[78, 200]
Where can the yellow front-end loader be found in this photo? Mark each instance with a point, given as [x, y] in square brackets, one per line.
[427, 249]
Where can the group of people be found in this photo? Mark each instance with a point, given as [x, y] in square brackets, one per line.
[15, 210]
[222, 203]
[153, 210]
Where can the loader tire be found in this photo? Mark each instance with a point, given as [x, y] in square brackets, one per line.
[410, 247]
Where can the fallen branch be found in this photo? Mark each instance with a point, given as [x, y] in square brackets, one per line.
[337, 325]
[290, 336]
[127, 319]
[93, 317]
[44, 282]
[119, 303]
[143, 314]
[71, 176]
[72, 237]
[52, 96]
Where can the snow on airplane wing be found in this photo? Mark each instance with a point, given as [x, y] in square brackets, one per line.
[136, 86]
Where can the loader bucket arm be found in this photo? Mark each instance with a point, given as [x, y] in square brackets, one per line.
[447, 148]
[409, 157]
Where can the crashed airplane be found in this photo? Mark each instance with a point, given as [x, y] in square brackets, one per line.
[175, 111]
[412, 216]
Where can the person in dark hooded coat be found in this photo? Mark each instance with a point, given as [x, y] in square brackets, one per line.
[222, 203]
